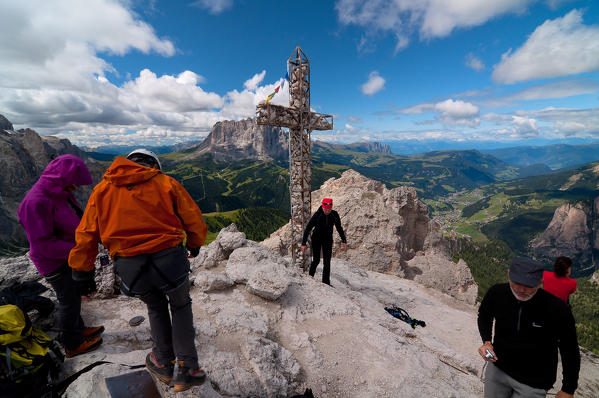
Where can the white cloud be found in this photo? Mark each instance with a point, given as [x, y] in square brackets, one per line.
[432, 18]
[374, 84]
[450, 112]
[354, 119]
[53, 79]
[349, 127]
[474, 62]
[559, 47]
[252, 84]
[214, 6]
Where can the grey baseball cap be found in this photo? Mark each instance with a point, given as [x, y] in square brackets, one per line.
[526, 271]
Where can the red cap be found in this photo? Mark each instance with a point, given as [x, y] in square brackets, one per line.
[327, 203]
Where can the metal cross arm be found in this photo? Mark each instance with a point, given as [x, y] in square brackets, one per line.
[282, 116]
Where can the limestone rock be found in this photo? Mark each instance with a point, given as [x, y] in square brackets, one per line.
[572, 232]
[17, 269]
[269, 281]
[275, 366]
[232, 140]
[444, 275]
[244, 261]
[228, 239]
[5, 124]
[208, 281]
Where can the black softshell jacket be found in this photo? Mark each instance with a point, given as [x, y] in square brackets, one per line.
[528, 335]
[323, 227]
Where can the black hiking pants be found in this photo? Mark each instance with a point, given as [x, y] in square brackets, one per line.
[70, 324]
[161, 281]
[327, 251]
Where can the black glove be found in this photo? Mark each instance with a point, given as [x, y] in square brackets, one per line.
[193, 251]
[85, 282]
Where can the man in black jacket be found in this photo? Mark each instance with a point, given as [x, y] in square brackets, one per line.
[322, 221]
[530, 326]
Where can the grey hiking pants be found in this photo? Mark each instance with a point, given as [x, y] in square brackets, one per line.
[161, 280]
[498, 384]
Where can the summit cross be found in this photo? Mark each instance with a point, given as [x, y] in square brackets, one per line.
[301, 121]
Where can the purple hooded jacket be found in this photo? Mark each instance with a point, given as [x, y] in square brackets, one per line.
[46, 215]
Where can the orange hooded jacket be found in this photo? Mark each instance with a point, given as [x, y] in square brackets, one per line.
[136, 210]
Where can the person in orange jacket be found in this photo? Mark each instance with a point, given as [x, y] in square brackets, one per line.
[142, 217]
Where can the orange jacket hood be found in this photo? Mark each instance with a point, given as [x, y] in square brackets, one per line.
[126, 172]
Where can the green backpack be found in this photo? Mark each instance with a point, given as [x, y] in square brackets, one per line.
[29, 360]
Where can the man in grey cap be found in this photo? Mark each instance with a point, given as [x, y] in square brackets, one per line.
[530, 326]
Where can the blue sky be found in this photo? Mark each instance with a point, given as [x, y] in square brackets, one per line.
[463, 73]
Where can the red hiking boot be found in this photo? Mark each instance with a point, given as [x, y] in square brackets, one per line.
[87, 346]
[185, 378]
[164, 373]
[92, 331]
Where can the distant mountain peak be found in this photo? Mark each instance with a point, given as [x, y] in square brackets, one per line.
[5, 124]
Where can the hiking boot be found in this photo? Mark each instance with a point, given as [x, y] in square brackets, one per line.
[164, 373]
[92, 331]
[185, 378]
[87, 346]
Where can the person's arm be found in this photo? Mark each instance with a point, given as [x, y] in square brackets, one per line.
[485, 324]
[569, 352]
[311, 224]
[87, 236]
[339, 227]
[190, 215]
[40, 232]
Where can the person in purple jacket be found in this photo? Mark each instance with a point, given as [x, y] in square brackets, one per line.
[49, 213]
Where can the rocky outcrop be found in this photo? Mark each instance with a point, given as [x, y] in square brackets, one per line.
[232, 140]
[5, 124]
[386, 229]
[23, 156]
[356, 146]
[572, 232]
[339, 341]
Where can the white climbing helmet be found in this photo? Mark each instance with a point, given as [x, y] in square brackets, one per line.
[145, 152]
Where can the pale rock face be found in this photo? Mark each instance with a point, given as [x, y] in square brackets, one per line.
[244, 139]
[337, 340]
[385, 230]
[570, 233]
[228, 239]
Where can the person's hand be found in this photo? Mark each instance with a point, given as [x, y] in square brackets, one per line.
[562, 394]
[344, 246]
[304, 247]
[85, 282]
[482, 351]
[193, 252]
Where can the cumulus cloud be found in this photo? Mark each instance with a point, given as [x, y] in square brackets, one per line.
[53, 78]
[214, 6]
[374, 84]
[354, 119]
[450, 112]
[559, 47]
[474, 62]
[431, 18]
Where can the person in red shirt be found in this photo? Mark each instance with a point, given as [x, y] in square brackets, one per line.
[558, 282]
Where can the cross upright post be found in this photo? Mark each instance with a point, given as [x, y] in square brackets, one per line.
[301, 121]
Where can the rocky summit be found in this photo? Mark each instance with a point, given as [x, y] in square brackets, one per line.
[265, 329]
[388, 230]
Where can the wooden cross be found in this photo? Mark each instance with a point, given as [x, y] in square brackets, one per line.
[300, 120]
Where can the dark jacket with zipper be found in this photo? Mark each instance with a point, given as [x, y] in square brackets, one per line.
[323, 227]
[528, 335]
